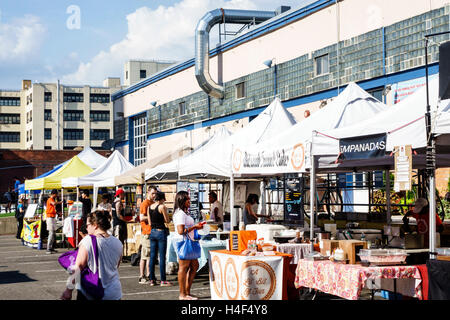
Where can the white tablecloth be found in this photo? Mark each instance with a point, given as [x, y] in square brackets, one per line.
[298, 250]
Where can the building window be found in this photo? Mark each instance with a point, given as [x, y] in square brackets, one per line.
[100, 98]
[10, 118]
[99, 115]
[126, 75]
[322, 64]
[240, 90]
[143, 74]
[140, 139]
[29, 98]
[182, 108]
[377, 93]
[47, 147]
[73, 115]
[10, 101]
[47, 96]
[47, 114]
[73, 134]
[9, 136]
[47, 134]
[99, 134]
[73, 97]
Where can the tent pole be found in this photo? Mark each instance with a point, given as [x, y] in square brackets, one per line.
[62, 209]
[430, 165]
[312, 194]
[432, 222]
[232, 212]
[388, 197]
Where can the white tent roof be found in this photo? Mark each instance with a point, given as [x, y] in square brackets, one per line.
[351, 106]
[169, 170]
[216, 161]
[90, 157]
[403, 122]
[116, 164]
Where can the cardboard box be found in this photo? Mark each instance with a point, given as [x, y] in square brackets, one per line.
[239, 239]
[351, 249]
[328, 245]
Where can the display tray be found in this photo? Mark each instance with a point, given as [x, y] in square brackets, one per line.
[383, 257]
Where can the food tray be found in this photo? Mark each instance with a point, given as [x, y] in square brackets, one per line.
[382, 257]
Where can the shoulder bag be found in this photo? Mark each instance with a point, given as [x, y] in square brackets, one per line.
[188, 249]
[90, 281]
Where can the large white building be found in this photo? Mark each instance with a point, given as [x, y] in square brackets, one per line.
[55, 116]
[315, 49]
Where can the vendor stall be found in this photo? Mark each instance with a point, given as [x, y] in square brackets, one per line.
[74, 167]
[238, 277]
[347, 280]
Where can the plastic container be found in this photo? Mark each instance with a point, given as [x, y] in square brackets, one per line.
[443, 251]
[383, 256]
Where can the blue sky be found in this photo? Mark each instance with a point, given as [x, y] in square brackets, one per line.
[43, 42]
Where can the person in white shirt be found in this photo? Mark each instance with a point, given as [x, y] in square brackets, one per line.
[109, 257]
[216, 209]
[184, 224]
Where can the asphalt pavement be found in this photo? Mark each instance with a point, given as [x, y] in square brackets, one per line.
[31, 274]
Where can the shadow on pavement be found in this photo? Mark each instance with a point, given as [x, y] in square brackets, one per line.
[7, 277]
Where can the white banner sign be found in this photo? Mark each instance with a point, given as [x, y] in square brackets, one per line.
[279, 160]
[235, 277]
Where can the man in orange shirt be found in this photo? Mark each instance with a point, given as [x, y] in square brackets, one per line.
[145, 234]
[51, 221]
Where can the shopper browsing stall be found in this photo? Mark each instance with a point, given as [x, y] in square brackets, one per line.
[109, 251]
[184, 229]
[158, 238]
[144, 270]
[51, 220]
[119, 223]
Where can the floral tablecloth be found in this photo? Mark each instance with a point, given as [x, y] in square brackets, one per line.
[347, 280]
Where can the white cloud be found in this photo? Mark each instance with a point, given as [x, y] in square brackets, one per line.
[165, 33]
[21, 39]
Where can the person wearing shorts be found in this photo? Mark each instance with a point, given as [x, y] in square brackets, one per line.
[145, 235]
[51, 221]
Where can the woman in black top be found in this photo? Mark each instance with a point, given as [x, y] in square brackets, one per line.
[158, 238]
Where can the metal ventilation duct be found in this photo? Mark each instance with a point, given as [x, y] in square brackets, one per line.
[202, 42]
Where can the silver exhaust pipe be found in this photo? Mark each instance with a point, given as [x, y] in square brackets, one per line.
[202, 42]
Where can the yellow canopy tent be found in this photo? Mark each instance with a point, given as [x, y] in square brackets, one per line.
[74, 168]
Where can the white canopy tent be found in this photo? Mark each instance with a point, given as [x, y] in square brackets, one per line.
[216, 161]
[403, 123]
[286, 151]
[114, 165]
[137, 174]
[170, 170]
[90, 157]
